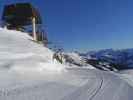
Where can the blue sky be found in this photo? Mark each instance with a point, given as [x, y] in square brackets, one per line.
[84, 25]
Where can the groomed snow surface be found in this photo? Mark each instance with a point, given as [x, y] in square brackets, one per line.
[28, 72]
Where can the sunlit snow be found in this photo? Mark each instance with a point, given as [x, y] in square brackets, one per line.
[28, 72]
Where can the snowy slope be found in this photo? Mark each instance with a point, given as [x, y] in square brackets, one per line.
[27, 72]
[18, 51]
[73, 59]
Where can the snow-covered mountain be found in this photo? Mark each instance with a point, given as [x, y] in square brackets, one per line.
[28, 72]
[122, 59]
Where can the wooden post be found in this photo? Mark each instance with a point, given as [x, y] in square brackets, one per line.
[34, 28]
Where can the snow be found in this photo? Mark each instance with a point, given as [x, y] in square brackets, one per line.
[28, 72]
[19, 52]
[75, 56]
[73, 59]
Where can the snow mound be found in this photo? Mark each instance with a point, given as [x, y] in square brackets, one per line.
[18, 51]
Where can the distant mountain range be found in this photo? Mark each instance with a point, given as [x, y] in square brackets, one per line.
[120, 59]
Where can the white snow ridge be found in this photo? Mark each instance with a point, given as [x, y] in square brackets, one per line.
[28, 72]
[19, 51]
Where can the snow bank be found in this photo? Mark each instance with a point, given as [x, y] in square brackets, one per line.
[19, 52]
[75, 56]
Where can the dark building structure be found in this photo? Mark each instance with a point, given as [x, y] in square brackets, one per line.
[20, 14]
[16, 16]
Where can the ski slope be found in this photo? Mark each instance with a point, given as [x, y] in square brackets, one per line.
[27, 72]
[18, 51]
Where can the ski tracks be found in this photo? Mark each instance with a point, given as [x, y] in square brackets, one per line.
[87, 91]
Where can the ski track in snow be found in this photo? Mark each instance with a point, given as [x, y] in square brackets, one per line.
[88, 90]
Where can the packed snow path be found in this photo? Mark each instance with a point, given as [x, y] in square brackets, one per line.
[27, 72]
[75, 84]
